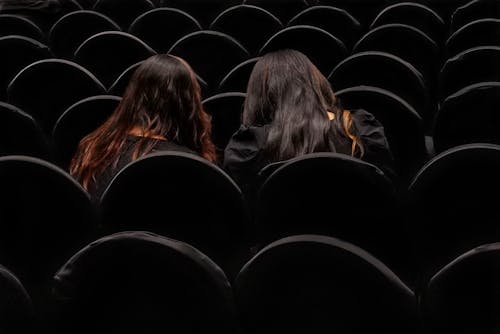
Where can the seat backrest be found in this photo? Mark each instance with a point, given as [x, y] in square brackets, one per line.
[462, 297]
[250, 25]
[78, 121]
[237, 79]
[21, 135]
[211, 54]
[474, 10]
[450, 204]
[204, 11]
[283, 9]
[21, 26]
[46, 88]
[311, 283]
[481, 32]
[82, 24]
[108, 54]
[383, 70]
[160, 28]
[189, 199]
[157, 284]
[123, 12]
[322, 48]
[336, 21]
[17, 53]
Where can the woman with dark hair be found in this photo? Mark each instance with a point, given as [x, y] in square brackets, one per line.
[291, 110]
[161, 110]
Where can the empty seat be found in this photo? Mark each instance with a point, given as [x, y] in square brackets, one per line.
[120, 85]
[21, 26]
[78, 121]
[471, 66]
[155, 283]
[462, 297]
[477, 33]
[20, 134]
[315, 194]
[250, 25]
[383, 70]
[474, 10]
[318, 284]
[160, 28]
[46, 88]
[237, 79]
[218, 226]
[211, 54]
[204, 11]
[336, 21]
[46, 217]
[451, 206]
[225, 110]
[74, 28]
[283, 9]
[123, 12]
[469, 116]
[17, 53]
[108, 54]
[406, 42]
[16, 309]
[403, 126]
[413, 14]
[87, 4]
[321, 47]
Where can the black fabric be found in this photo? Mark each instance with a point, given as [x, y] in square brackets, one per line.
[108, 54]
[97, 188]
[251, 26]
[474, 10]
[82, 25]
[237, 79]
[123, 12]
[21, 26]
[284, 9]
[17, 53]
[476, 33]
[463, 296]
[204, 11]
[243, 157]
[318, 284]
[336, 21]
[139, 282]
[160, 28]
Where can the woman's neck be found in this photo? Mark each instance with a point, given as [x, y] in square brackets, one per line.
[137, 131]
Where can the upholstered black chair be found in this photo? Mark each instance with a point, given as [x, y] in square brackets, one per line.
[123, 12]
[311, 283]
[17, 53]
[78, 121]
[211, 54]
[160, 28]
[479, 64]
[321, 47]
[383, 70]
[474, 10]
[71, 30]
[481, 32]
[336, 21]
[250, 25]
[21, 135]
[283, 9]
[46, 88]
[225, 110]
[413, 14]
[237, 79]
[204, 11]
[20, 26]
[16, 308]
[462, 297]
[469, 116]
[182, 196]
[108, 54]
[451, 206]
[134, 282]
[403, 126]
[45, 217]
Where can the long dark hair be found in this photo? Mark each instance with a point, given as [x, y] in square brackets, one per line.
[163, 101]
[289, 94]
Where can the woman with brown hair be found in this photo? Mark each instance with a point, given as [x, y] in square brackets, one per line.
[160, 110]
[291, 110]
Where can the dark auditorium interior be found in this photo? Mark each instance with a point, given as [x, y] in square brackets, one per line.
[328, 244]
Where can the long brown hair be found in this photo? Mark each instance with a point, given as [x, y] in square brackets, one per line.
[289, 94]
[163, 101]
